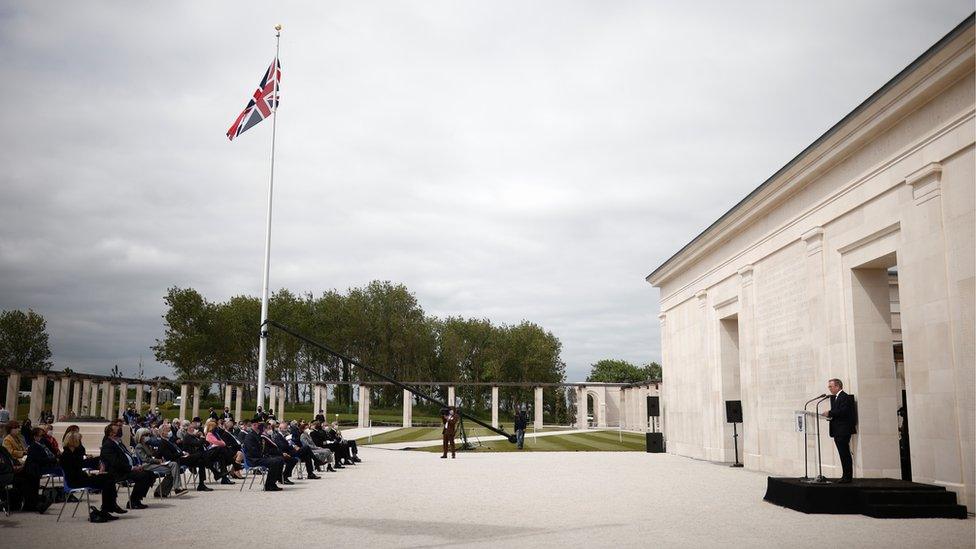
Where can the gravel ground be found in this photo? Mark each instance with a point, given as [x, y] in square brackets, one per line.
[415, 499]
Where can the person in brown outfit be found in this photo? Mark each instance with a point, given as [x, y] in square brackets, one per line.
[449, 419]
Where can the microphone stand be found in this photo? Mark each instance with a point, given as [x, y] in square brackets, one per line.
[806, 453]
[820, 478]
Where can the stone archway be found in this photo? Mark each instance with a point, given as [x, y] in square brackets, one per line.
[584, 393]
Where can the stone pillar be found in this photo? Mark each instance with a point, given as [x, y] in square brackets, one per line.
[622, 414]
[13, 388]
[196, 401]
[494, 407]
[140, 389]
[76, 397]
[153, 396]
[272, 398]
[183, 398]
[108, 400]
[407, 408]
[282, 394]
[537, 407]
[450, 396]
[38, 386]
[87, 388]
[316, 399]
[228, 395]
[56, 398]
[123, 397]
[363, 406]
[65, 399]
[749, 374]
[239, 405]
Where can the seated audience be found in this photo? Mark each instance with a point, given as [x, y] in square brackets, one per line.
[261, 451]
[122, 465]
[156, 465]
[293, 452]
[14, 442]
[322, 455]
[77, 476]
[40, 459]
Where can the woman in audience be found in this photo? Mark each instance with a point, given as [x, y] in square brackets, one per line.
[14, 442]
[76, 476]
[151, 463]
[49, 440]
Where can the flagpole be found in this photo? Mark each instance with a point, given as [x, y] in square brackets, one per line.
[263, 345]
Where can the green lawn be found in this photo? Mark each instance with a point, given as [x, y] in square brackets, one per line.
[412, 434]
[597, 441]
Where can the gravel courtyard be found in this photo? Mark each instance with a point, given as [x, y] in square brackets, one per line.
[415, 499]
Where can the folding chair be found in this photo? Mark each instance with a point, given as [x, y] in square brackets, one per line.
[252, 471]
[69, 491]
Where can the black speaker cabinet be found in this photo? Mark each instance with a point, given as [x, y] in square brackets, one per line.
[655, 443]
[733, 411]
[653, 406]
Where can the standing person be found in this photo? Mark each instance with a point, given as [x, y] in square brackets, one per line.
[843, 423]
[320, 417]
[449, 420]
[521, 422]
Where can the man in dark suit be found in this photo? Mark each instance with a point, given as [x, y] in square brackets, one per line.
[122, 465]
[258, 453]
[843, 423]
[293, 453]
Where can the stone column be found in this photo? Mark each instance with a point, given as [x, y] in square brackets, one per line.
[272, 398]
[228, 395]
[537, 407]
[282, 394]
[316, 399]
[749, 374]
[580, 407]
[123, 397]
[153, 396]
[140, 389]
[363, 419]
[196, 401]
[407, 408]
[84, 407]
[108, 400]
[184, 390]
[622, 414]
[494, 407]
[63, 401]
[450, 396]
[56, 398]
[76, 397]
[13, 388]
[38, 386]
[239, 405]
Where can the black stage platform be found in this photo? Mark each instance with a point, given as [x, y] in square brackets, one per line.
[874, 497]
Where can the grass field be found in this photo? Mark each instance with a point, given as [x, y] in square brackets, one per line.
[596, 441]
[412, 434]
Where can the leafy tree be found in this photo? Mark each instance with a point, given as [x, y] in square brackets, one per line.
[189, 344]
[615, 371]
[24, 341]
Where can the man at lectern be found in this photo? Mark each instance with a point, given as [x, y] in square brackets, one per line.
[843, 424]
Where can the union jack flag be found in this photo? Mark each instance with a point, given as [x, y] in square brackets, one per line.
[261, 105]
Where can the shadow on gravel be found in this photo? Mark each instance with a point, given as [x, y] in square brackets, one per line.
[452, 532]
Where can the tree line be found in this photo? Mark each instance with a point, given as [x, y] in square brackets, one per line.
[381, 325]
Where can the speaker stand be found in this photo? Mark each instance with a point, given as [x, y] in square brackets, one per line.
[735, 446]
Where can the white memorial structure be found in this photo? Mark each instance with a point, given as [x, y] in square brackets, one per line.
[868, 230]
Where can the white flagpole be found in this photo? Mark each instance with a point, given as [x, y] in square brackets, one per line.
[263, 345]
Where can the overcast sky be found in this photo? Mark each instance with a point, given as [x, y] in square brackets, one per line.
[508, 160]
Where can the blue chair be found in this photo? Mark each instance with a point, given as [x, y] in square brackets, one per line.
[252, 471]
[78, 492]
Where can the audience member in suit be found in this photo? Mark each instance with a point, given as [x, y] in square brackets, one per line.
[195, 444]
[227, 415]
[294, 452]
[322, 455]
[39, 459]
[122, 465]
[223, 432]
[843, 423]
[332, 431]
[72, 463]
[320, 417]
[171, 451]
[321, 438]
[256, 448]
[213, 414]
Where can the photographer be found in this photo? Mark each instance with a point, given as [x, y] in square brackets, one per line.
[449, 420]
